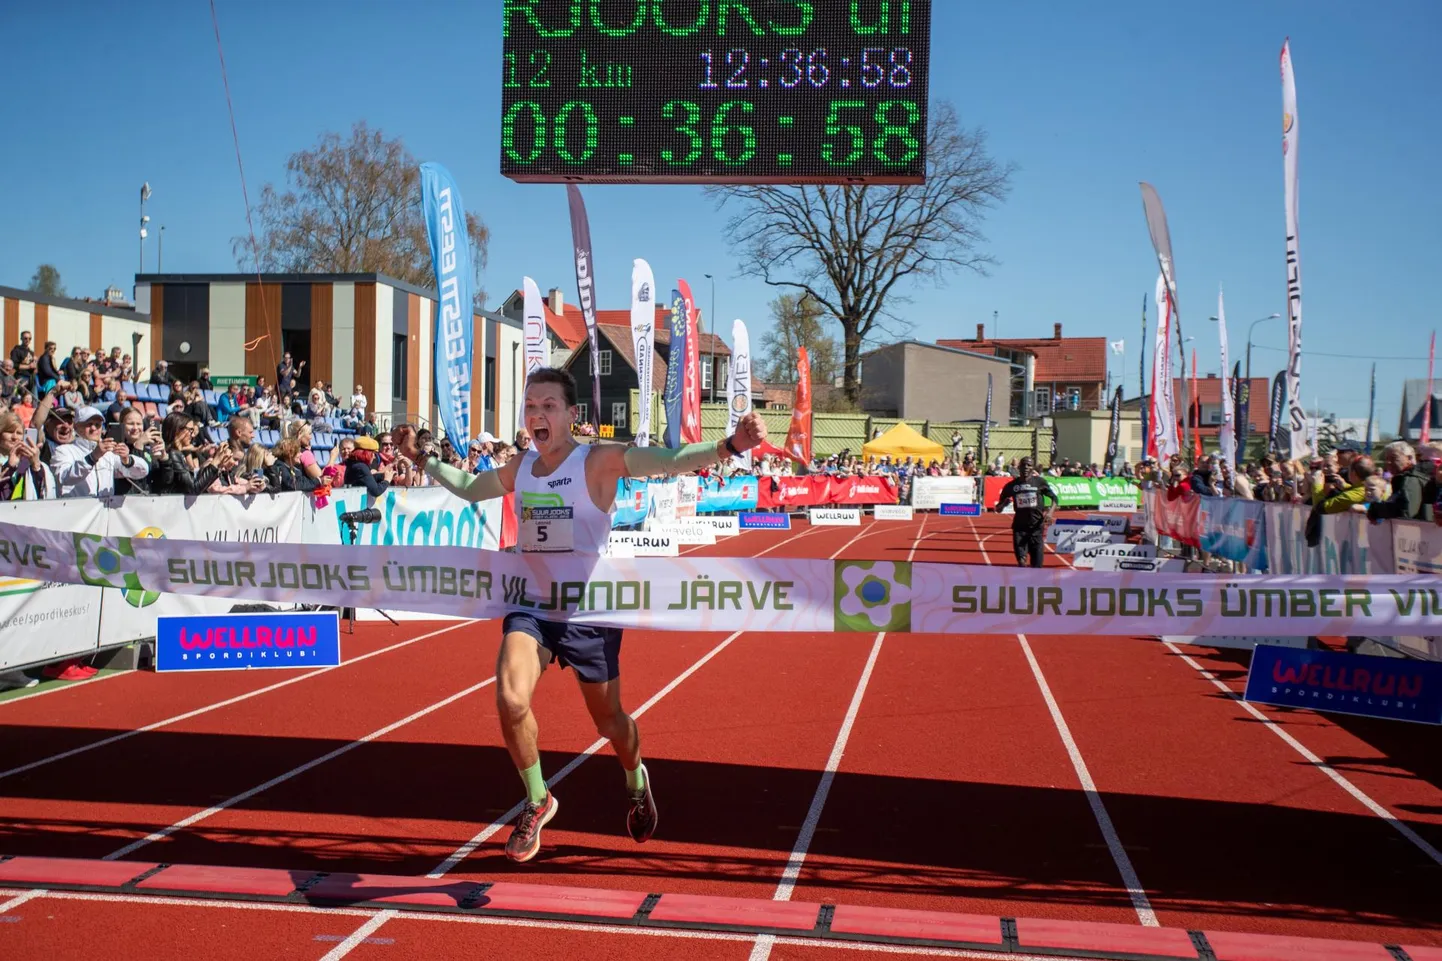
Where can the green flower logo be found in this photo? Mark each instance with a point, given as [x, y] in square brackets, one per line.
[113, 565]
[873, 596]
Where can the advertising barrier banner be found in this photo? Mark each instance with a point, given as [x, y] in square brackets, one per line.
[757, 521]
[1396, 688]
[40, 619]
[960, 510]
[706, 593]
[1088, 556]
[927, 493]
[835, 517]
[413, 516]
[821, 490]
[723, 526]
[271, 519]
[1234, 529]
[730, 496]
[892, 512]
[241, 642]
[1094, 491]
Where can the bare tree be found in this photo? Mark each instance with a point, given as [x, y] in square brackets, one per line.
[848, 247]
[46, 280]
[797, 323]
[354, 206]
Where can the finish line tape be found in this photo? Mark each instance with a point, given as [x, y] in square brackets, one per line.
[729, 594]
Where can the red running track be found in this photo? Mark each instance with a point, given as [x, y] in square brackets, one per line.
[901, 773]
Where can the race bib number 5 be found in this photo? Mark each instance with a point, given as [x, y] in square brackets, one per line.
[546, 530]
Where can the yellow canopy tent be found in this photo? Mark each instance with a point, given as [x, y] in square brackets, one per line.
[900, 442]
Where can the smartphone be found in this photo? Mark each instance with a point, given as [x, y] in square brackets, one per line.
[116, 432]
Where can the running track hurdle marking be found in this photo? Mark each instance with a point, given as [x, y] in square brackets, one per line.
[125, 735]
[1140, 902]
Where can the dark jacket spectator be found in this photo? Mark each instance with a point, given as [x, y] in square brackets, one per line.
[1410, 484]
[175, 470]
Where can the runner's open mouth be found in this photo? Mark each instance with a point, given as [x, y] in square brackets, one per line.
[540, 434]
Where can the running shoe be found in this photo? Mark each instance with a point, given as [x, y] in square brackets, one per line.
[525, 840]
[17, 679]
[641, 819]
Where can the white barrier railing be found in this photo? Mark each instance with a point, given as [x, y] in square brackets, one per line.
[42, 622]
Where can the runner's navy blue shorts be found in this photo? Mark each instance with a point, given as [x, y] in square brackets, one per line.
[593, 652]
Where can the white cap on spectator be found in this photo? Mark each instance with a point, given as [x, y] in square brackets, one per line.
[88, 414]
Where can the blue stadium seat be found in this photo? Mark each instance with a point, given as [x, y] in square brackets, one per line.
[163, 392]
[218, 435]
[212, 397]
[127, 387]
[322, 441]
[267, 437]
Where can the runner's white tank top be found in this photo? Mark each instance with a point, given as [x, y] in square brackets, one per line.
[555, 513]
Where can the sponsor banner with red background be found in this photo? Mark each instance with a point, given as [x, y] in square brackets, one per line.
[1177, 516]
[817, 490]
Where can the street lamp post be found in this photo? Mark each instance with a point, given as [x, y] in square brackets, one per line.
[1249, 340]
[144, 196]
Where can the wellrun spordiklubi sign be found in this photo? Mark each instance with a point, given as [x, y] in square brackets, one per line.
[690, 593]
[240, 642]
[1396, 688]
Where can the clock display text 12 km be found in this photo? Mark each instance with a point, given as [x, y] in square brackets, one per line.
[720, 91]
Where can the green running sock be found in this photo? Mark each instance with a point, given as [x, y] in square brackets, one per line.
[535, 784]
[636, 780]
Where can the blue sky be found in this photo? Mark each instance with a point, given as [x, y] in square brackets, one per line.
[1088, 99]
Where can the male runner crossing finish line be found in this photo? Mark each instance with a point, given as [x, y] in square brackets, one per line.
[565, 494]
[1028, 526]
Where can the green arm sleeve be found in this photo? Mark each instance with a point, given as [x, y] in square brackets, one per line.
[471, 487]
[641, 461]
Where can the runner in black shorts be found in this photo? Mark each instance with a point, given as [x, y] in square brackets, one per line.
[564, 494]
[1028, 526]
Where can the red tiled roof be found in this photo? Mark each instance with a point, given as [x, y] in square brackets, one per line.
[618, 333]
[1209, 392]
[1074, 360]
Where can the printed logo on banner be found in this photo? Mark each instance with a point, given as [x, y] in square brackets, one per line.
[757, 520]
[239, 642]
[892, 512]
[873, 596]
[102, 565]
[835, 516]
[961, 510]
[1387, 687]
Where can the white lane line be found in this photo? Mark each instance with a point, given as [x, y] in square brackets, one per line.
[806, 532]
[911, 554]
[124, 735]
[69, 686]
[186, 822]
[534, 924]
[761, 950]
[357, 936]
[20, 899]
[1140, 902]
[1135, 891]
[1338, 778]
[865, 527]
[465, 850]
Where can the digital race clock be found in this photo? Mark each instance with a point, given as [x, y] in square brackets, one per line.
[733, 91]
